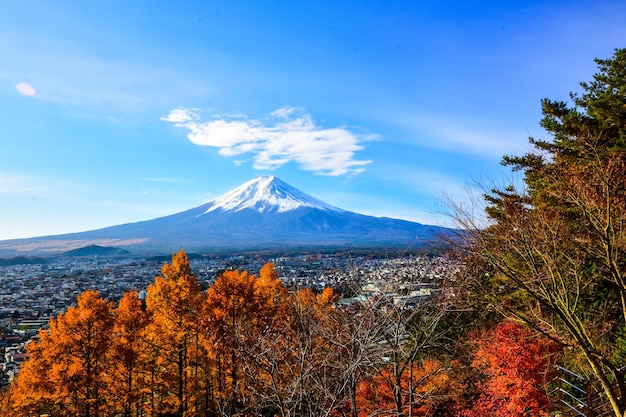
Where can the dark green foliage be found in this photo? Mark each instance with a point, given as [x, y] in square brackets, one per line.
[554, 252]
[22, 260]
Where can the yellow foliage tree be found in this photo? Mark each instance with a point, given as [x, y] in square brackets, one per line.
[65, 375]
[175, 303]
[127, 382]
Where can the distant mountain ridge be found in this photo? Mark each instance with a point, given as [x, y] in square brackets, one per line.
[95, 250]
[263, 213]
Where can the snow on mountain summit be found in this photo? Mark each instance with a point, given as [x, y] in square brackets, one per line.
[265, 194]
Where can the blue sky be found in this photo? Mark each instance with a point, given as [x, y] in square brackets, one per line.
[119, 111]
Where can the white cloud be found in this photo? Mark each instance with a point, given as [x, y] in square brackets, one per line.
[328, 151]
[180, 116]
[284, 112]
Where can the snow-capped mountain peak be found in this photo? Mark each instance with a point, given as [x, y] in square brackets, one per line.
[265, 194]
[264, 213]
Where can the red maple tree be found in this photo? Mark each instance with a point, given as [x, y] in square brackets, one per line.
[513, 364]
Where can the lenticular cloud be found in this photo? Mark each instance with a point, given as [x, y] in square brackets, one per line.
[287, 135]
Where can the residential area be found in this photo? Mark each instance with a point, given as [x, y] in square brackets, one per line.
[31, 294]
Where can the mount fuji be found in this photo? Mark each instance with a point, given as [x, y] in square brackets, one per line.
[263, 213]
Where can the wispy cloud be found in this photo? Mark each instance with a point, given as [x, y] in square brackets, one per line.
[492, 144]
[12, 184]
[287, 135]
[434, 183]
[491, 139]
[67, 73]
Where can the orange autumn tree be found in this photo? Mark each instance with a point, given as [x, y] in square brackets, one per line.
[514, 363]
[65, 375]
[6, 402]
[34, 392]
[270, 290]
[273, 350]
[262, 348]
[425, 390]
[240, 308]
[293, 363]
[175, 304]
[127, 382]
[230, 305]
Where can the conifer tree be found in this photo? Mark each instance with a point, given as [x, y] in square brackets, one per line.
[66, 372]
[234, 313]
[553, 253]
[127, 378]
[175, 303]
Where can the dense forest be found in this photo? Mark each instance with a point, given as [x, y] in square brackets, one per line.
[544, 283]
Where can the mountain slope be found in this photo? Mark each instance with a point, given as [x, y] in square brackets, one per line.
[263, 213]
[95, 250]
